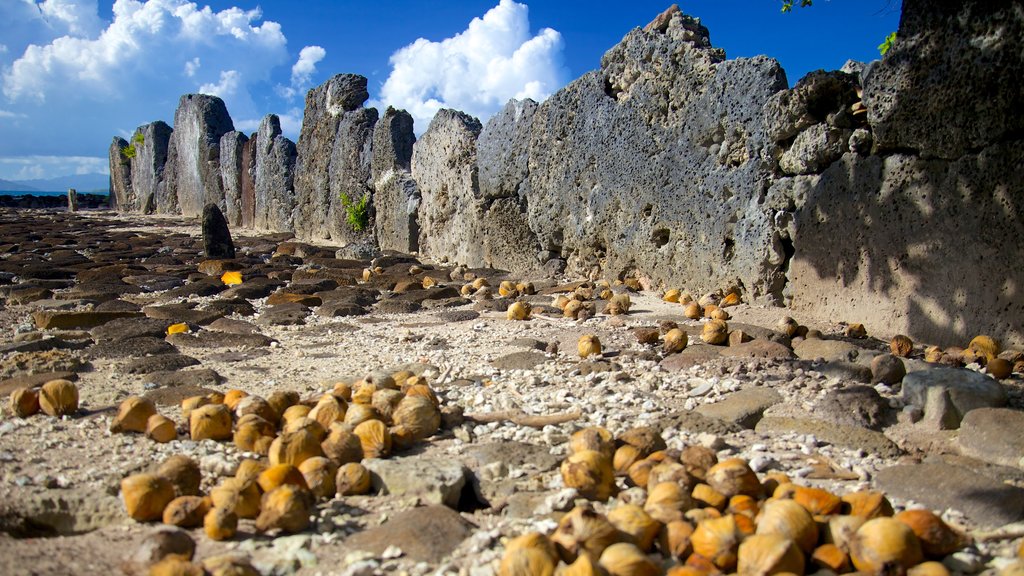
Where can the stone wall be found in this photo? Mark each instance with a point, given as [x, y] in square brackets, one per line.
[887, 193]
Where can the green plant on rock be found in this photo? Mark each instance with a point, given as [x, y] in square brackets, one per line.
[889, 41]
[357, 213]
[131, 150]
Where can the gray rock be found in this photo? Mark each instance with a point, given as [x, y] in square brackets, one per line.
[904, 210]
[425, 534]
[289, 314]
[200, 377]
[208, 339]
[396, 197]
[814, 149]
[924, 94]
[519, 360]
[151, 143]
[350, 179]
[744, 407]
[217, 242]
[431, 480]
[887, 369]
[993, 435]
[162, 541]
[159, 363]
[275, 172]
[121, 329]
[483, 459]
[444, 166]
[120, 175]
[983, 500]
[232, 149]
[947, 394]
[854, 437]
[845, 371]
[192, 172]
[60, 512]
[335, 101]
[828, 350]
[855, 406]
[232, 326]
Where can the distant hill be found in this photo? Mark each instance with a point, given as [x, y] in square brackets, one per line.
[80, 182]
[11, 186]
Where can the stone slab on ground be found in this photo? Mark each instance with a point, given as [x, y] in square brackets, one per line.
[744, 407]
[49, 319]
[159, 363]
[432, 480]
[853, 437]
[954, 391]
[426, 534]
[829, 350]
[943, 485]
[757, 348]
[209, 339]
[994, 435]
[200, 377]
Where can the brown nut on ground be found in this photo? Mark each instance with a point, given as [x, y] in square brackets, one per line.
[58, 398]
[160, 428]
[145, 496]
[210, 422]
[24, 402]
[901, 346]
[588, 345]
[220, 524]
[133, 414]
[352, 479]
[186, 511]
[715, 332]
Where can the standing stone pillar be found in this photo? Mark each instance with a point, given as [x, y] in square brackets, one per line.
[72, 200]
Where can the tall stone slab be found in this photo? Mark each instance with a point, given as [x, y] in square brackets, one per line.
[248, 186]
[444, 165]
[350, 179]
[150, 143]
[503, 153]
[275, 174]
[232, 148]
[327, 106]
[120, 174]
[951, 83]
[193, 174]
[396, 197]
[921, 238]
[651, 165]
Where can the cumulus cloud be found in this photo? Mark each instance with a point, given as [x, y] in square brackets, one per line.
[302, 72]
[478, 70]
[81, 80]
[38, 167]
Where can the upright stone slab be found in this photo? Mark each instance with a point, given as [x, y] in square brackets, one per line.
[503, 153]
[248, 186]
[232, 147]
[120, 174]
[275, 172]
[150, 142]
[326, 105]
[651, 165]
[396, 197]
[951, 82]
[217, 242]
[445, 168]
[350, 180]
[193, 175]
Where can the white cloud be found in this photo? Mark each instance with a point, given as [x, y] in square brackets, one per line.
[192, 66]
[226, 87]
[302, 72]
[74, 18]
[478, 70]
[37, 167]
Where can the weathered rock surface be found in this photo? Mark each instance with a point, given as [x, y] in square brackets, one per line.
[993, 435]
[216, 236]
[425, 534]
[432, 481]
[948, 394]
[151, 143]
[275, 173]
[120, 174]
[396, 196]
[333, 113]
[193, 174]
[942, 485]
[232, 154]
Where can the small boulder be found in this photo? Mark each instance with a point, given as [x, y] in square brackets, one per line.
[216, 236]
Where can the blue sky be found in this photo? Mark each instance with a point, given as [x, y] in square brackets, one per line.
[74, 73]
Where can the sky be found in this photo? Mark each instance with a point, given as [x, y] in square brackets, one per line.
[75, 73]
